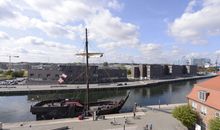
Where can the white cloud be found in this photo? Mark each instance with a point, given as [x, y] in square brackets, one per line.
[115, 4]
[67, 18]
[196, 27]
[62, 11]
[110, 32]
[4, 36]
[35, 49]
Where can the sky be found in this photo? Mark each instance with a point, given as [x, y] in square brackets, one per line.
[126, 31]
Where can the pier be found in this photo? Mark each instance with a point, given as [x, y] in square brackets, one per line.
[29, 89]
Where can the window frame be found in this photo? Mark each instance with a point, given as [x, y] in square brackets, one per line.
[203, 110]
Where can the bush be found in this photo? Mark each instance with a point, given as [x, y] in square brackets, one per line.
[129, 72]
[186, 115]
[9, 72]
[214, 124]
[17, 74]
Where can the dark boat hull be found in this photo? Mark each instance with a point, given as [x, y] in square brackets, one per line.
[57, 112]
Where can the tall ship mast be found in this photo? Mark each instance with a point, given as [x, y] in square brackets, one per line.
[87, 74]
[66, 108]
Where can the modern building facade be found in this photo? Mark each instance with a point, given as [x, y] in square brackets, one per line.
[135, 72]
[155, 71]
[76, 73]
[143, 71]
[111, 74]
[160, 71]
[204, 98]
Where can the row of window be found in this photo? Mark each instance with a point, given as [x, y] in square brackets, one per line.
[203, 110]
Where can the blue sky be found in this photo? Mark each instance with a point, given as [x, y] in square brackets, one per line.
[143, 31]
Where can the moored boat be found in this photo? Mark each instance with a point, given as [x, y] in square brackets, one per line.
[66, 108]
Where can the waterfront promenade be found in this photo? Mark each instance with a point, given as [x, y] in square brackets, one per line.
[27, 89]
[160, 121]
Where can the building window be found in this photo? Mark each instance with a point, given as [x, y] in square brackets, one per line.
[202, 95]
[31, 75]
[217, 114]
[194, 105]
[203, 110]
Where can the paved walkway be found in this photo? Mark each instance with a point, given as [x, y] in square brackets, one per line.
[6, 89]
[159, 121]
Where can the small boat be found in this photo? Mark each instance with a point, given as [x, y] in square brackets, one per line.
[67, 108]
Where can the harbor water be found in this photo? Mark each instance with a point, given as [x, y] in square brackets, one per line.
[15, 108]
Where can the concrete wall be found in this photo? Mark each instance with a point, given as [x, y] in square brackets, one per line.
[143, 71]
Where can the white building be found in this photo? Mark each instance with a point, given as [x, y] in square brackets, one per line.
[200, 61]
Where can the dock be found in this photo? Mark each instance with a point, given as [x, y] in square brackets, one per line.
[158, 119]
[29, 89]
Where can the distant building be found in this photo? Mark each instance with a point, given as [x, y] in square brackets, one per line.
[204, 98]
[111, 74]
[176, 70]
[75, 73]
[20, 66]
[143, 71]
[160, 71]
[3, 66]
[135, 72]
[191, 70]
[201, 62]
[155, 71]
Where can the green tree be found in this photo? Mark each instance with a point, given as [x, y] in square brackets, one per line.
[186, 115]
[8, 72]
[105, 64]
[129, 71]
[214, 124]
[17, 74]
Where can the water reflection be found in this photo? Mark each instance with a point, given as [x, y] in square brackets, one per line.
[17, 108]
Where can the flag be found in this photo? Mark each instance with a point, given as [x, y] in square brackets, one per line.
[64, 76]
[60, 80]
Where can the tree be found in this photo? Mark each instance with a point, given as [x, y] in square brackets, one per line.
[105, 64]
[129, 71]
[17, 74]
[186, 115]
[214, 124]
[8, 72]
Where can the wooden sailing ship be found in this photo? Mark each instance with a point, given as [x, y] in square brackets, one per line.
[66, 108]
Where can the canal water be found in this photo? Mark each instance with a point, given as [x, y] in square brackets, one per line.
[17, 108]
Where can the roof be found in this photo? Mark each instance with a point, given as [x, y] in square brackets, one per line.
[213, 83]
[212, 86]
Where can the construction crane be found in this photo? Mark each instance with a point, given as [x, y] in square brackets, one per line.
[9, 57]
